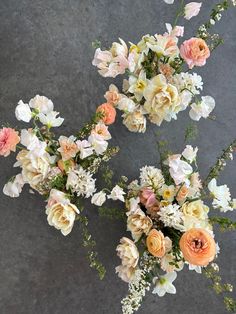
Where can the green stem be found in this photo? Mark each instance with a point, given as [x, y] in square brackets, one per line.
[179, 13]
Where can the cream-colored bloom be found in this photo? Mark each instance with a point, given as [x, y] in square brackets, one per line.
[23, 112]
[195, 209]
[135, 121]
[34, 169]
[128, 252]
[62, 216]
[137, 85]
[139, 223]
[162, 100]
[125, 273]
[14, 187]
[99, 198]
[168, 192]
[189, 153]
[42, 104]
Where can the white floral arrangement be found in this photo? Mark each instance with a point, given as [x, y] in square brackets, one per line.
[171, 226]
[62, 170]
[158, 86]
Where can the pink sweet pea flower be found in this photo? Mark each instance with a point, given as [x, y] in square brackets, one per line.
[8, 140]
[192, 9]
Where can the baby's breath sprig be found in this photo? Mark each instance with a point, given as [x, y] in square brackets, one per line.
[221, 162]
[214, 40]
[224, 223]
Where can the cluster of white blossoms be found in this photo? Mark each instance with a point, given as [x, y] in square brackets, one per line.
[157, 87]
[62, 170]
[170, 223]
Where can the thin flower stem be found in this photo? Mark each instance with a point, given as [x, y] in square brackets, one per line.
[180, 12]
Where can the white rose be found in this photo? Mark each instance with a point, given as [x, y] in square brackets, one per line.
[138, 223]
[99, 198]
[23, 112]
[117, 193]
[189, 153]
[62, 216]
[42, 104]
[135, 121]
[202, 109]
[128, 252]
[14, 187]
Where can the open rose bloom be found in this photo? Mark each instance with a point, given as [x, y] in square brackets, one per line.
[170, 226]
[62, 170]
[158, 84]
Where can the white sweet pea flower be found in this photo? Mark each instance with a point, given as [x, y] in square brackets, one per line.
[164, 284]
[117, 193]
[50, 119]
[99, 198]
[177, 31]
[169, 1]
[179, 170]
[85, 148]
[14, 187]
[221, 194]
[23, 112]
[190, 153]
[32, 143]
[98, 144]
[202, 109]
[126, 104]
[42, 104]
[198, 269]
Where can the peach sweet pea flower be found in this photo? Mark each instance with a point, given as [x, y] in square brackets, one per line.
[156, 243]
[198, 247]
[195, 52]
[109, 113]
[68, 147]
[8, 140]
[112, 95]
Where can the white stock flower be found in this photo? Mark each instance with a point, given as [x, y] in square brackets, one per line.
[99, 198]
[117, 193]
[179, 170]
[81, 182]
[50, 119]
[98, 144]
[42, 104]
[202, 109]
[151, 177]
[171, 216]
[164, 285]
[14, 187]
[62, 216]
[23, 112]
[85, 148]
[189, 153]
[222, 196]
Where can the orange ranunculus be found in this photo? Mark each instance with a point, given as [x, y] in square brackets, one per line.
[198, 247]
[156, 243]
[195, 52]
[109, 113]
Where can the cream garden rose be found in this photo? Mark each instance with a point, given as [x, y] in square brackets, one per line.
[138, 223]
[62, 216]
[135, 121]
[161, 99]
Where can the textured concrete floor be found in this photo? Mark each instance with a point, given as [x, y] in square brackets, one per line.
[46, 49]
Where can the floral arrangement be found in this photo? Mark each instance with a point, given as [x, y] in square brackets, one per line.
[159, 85]
[171, 226]
[61, 170]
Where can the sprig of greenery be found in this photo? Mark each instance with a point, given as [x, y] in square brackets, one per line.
[224, 223]
[112, 213]
[191, 132]
[89, 243]
[221, 162]
[86, 130]
[214, 40]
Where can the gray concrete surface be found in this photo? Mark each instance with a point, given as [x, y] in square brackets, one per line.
[46, 49]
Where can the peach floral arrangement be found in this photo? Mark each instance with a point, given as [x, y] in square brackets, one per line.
[158, 85]
[171, 226]
[61, 170]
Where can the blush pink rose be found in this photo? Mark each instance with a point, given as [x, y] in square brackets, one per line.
[148, 198]
[8, 140]
[109, 113]
[195, 52]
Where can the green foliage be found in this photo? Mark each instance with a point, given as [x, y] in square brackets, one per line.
[96, 44]
[111, 213]
[107, 175]
[89, 243]
[58, 182]
[191, 132]
[150, 64]
[224, 223]
[86, 130]
[230, 304]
